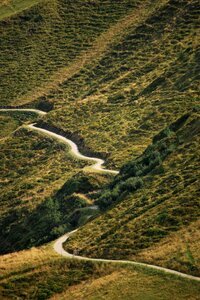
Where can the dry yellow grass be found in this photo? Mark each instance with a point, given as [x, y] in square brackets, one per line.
[173, 247]
[110, 281]
[82, 290]
[18, 261]
[128, 284]
[83, 197]
[5, 2]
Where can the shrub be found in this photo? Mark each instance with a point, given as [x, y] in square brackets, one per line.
[105, 200]
[119, 191]
[163, 134]
[119, 97]
[155, 232]
[131, 168]
[164, 218]
[131, 184]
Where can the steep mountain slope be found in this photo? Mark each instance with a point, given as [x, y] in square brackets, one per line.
[35, 180]
[39, 42]
[154, 198]
[122, 79]
[43, 189]
[144, 82]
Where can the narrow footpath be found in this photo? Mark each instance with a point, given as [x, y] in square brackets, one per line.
[97, 166]
[58, 247]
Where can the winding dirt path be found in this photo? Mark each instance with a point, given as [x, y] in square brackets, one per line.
[58, 247]
[98, 163]
[97, 166]
[37, 111]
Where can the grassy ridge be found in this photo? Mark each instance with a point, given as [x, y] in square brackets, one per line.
[154, 196]
[130, 285]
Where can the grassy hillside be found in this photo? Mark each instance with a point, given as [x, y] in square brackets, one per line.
[129, 285]
[11, 122]
[153, 201]
[38, 44]
[40, 273]
[33, 169]
[50, 35]
[122, 77]
[148, 78]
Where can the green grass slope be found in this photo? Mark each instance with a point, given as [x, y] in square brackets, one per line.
[11, 122]
[123, 76]
[155, 198]
[44, 191]
[50, 34]
[33, 168]
[130, 285]
[39, 43]
[148, 78]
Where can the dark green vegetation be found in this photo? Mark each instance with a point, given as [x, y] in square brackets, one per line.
[154, 196]
[66, 209]
[33, 169]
